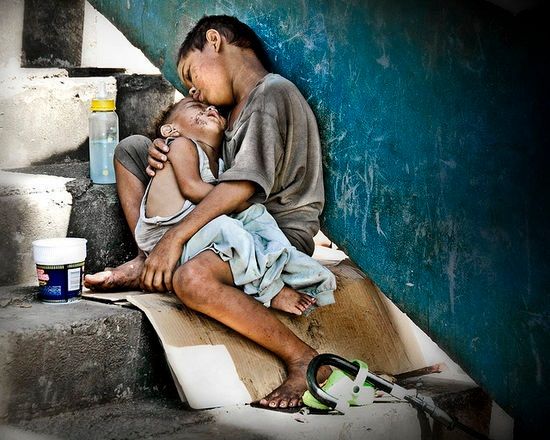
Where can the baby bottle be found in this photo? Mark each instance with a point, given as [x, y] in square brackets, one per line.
[103, 137]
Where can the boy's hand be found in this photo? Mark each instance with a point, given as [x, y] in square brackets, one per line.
[160, 265]
[157, 156]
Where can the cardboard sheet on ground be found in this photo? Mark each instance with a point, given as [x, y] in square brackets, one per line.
[108, 297]
[359, 326]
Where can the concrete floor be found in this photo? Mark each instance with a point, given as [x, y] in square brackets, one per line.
[169, 419]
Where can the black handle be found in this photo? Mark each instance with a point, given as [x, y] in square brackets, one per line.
[346, 366]
[311, 376]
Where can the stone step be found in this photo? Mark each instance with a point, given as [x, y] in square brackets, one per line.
[33, 207]
[44, 116]
[165, 418]
[59, 200]
[56, 358]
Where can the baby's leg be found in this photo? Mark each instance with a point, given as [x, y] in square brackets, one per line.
[310, 277]
[256, 266]
[308, 283]
[291, 301]
[268, 239]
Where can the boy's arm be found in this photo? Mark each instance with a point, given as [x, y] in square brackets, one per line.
[159, 267]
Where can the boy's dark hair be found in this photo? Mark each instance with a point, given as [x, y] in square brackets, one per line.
[234, 31]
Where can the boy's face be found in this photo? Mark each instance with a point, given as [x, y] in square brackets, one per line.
[194, 119]
[206, 76]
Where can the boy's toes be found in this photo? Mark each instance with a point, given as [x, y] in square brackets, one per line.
[294, 403]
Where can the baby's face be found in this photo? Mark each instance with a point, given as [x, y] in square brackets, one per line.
[192, 118]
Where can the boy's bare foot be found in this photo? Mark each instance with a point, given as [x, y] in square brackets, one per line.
[124, 277]
[289, 393]
[288, 300]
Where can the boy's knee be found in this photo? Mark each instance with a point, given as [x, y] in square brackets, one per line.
[191, 281]
[131, 145]
[131, 152]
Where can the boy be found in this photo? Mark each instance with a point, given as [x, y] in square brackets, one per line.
[273, 155]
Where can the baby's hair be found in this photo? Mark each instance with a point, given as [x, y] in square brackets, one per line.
[234, 31]
[164, 117]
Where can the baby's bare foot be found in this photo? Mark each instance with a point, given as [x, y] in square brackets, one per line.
[290, 301]
[124, 277]
[289, 393]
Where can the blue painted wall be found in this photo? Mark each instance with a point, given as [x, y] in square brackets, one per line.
[432, 117]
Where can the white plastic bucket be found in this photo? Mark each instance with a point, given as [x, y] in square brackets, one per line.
[59, 268]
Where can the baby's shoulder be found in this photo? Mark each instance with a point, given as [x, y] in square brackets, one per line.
[181, 142]
[182, 145]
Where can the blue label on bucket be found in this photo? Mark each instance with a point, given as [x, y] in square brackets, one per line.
[60, 283]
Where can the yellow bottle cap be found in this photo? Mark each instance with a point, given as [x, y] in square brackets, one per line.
[103, 105]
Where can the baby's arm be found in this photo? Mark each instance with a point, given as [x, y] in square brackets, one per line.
[185, 162]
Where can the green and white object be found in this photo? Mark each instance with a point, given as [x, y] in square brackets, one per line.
[348, 392]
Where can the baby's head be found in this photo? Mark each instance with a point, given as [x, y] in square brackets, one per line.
[194, 120]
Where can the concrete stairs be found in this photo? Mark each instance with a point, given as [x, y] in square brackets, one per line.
[32, 207]
[55, 359]
[45, 115]
[95, 371]
[59, 200]
[60, 358]
[88, 370]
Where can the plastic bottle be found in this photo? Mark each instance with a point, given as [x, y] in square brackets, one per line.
[103, 137]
